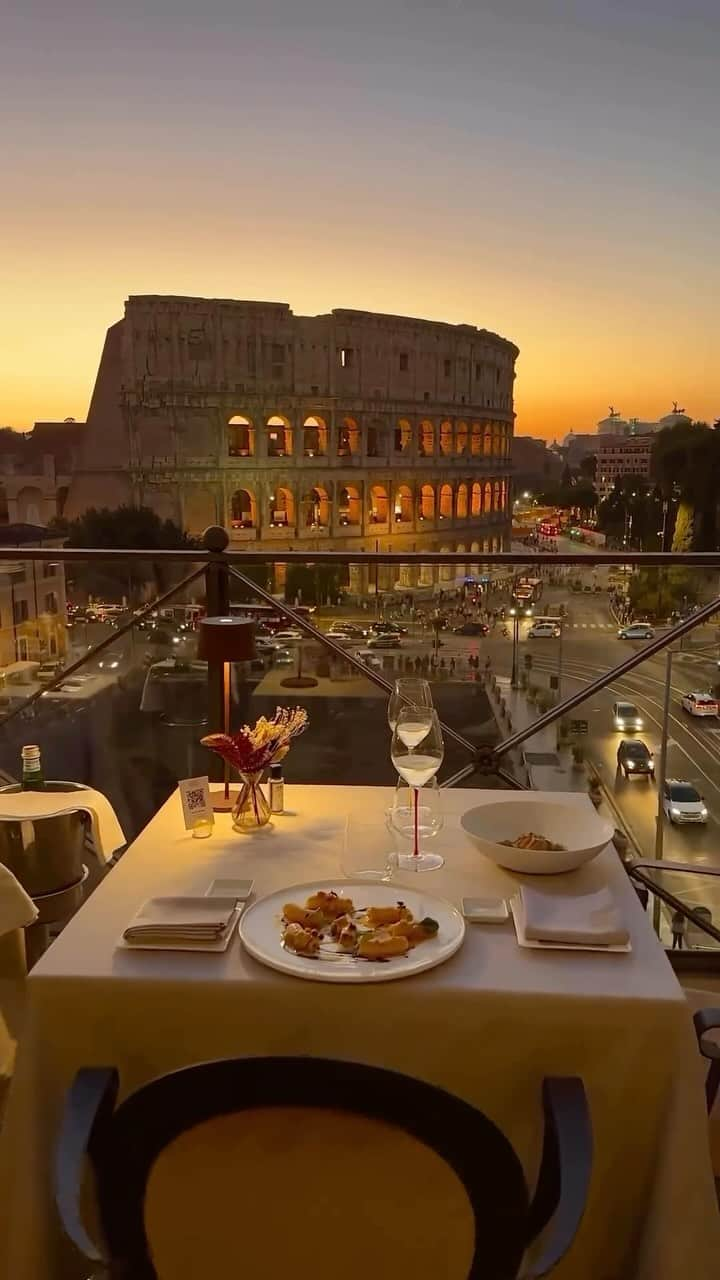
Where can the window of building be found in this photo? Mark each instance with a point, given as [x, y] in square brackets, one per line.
[50, 604]
[347, 357]
[20, 611]
[251, 355]
[447, 367]
[49, 568]
[478, 370]
[403, 361]
[426, 396]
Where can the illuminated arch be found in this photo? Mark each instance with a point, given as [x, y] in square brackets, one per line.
[426, 439]
[446, 502]
[315, 508]
[446, 438]
[403, 504]
[426, 504]
[379, 504]
[314, 437]
[348, 438]
[403, 436]
[487, 497]
[349, 507]
[279, 437]
[476, 499]
[461, 437]
[476, 441]
[282, 507]
[240, 435]
[488, 440]
[243, 512]
[461, 502]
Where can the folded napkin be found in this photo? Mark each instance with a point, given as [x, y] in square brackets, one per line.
[181, 919]
[107, 834]
[16, 909]
[567, 914]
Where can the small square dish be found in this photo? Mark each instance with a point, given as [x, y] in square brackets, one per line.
[240, 890]
[485, 910]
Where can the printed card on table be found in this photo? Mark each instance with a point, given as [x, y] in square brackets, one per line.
[195, 796]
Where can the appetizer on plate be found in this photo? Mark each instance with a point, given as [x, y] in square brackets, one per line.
[329, 926]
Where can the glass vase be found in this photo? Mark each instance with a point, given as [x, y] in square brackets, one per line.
[252, 807]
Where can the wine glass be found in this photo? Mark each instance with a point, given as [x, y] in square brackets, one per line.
[417, 753]
[401, 818]
[409, 691]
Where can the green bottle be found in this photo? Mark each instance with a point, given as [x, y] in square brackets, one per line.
[32, 774]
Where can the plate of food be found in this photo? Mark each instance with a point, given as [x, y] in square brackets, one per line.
[351, 931]
[537, 837]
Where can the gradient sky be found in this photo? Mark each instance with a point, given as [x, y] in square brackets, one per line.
[545, 168]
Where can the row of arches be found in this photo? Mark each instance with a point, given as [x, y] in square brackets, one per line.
[447, 438]
[403, 505]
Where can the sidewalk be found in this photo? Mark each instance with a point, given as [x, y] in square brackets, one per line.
[541, 765]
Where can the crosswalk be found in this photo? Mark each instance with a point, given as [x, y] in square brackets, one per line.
[590, 626]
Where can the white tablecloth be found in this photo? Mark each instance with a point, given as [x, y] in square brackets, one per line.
[487, 1025]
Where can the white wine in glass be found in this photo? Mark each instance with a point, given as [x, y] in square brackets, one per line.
[417, 753]
[409, 692]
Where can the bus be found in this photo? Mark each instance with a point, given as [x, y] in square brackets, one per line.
[269, 615]
[527, 590]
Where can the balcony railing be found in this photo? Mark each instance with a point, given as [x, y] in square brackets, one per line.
[118, 700]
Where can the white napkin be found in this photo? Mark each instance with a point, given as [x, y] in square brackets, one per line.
[107, 834]
[186, 919]
[567, 914]
[16, 909]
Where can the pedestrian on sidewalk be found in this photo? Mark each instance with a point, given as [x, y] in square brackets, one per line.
[452, 667]
[678, 930]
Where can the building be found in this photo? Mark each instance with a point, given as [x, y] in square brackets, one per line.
[622, 456]
[614, 425]
[348, 431]
[33, 611]
[35, 471]
[536, 468]
[576, 447]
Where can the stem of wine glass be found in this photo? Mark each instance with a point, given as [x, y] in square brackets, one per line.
[416, 841]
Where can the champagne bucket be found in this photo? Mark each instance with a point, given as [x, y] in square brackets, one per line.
[45, 854]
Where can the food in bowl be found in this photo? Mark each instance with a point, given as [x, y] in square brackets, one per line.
[539, 844]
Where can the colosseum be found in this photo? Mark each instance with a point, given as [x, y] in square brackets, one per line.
[348, 431]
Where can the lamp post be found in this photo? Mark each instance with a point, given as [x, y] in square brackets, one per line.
[514, 614]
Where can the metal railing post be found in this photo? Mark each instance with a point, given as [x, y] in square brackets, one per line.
[217, 597]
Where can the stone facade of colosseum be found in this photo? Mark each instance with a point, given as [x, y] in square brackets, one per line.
[347, 431]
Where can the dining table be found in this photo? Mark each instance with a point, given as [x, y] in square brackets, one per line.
[488, 1025]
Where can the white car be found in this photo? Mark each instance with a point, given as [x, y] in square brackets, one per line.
[636, 631]
[682, 802]
[384, 642]
[291, 636]
[626, 717]
[699, 704]
[544, 630]
[345, 630]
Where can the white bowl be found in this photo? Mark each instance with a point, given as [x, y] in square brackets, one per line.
[577, 827]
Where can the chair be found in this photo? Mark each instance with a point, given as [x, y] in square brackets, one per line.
[142, 1204]
[709, 1020]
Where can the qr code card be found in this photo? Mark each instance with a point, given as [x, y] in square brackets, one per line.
[195, 796]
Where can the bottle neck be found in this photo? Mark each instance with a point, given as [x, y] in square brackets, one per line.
[32, 774]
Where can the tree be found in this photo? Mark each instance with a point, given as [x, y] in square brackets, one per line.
[588, 468]
[685, 462]
[683, 534]
[126, 528]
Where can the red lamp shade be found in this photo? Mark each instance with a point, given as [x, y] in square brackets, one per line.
[226, 639]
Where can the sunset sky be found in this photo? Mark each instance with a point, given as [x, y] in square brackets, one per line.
[543, 168]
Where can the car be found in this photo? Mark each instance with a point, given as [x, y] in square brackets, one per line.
[282, 658]
[110, 660]
[385, 641]
[626, 717]
[388, 628]
[634, 757]
[587, 587]
[544, 630]
[682, 802]
[47, 671]
[346, 631]
[369, 659]
[636, 631]
[699, 704]
[291, 636]
[471, 629]
[263, 644]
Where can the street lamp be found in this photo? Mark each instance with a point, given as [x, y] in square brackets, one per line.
[514, 614]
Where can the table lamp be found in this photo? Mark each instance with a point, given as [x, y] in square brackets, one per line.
[220, 642]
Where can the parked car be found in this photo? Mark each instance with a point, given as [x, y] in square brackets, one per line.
[282, 658]
[369, 659]
[699, 704]
[635, 757]
[346, 631]
[544, 630]
[264, 644]
[682, 802]
[385, 641]
[636, 631]
[471, 629]
[626, 716]
[291, 636]
[47, 671]
[388, 628]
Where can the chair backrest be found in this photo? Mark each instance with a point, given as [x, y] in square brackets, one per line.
[274, 1166]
